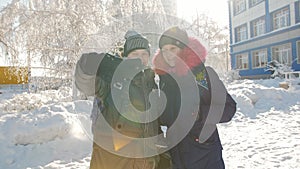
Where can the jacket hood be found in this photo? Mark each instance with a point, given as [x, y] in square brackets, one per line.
[190, 56]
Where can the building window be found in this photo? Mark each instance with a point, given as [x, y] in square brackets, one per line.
[242, 61]
[281, 19]
[297, 11]
[259, 58]
[241, 33]
[282, 54]
[298, 52]
[239, 6]
[258, 27]
[254, 2]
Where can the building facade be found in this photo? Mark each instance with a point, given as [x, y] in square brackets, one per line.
[262, 31]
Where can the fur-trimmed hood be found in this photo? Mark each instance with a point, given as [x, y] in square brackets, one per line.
[192, 55]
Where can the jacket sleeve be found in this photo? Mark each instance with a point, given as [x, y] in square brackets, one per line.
[229, 109]
[85, 72]
[218, 105]
[105, 73]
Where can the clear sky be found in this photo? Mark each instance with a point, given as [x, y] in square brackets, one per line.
[215, 9]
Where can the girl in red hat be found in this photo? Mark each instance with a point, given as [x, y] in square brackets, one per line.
[200, 148]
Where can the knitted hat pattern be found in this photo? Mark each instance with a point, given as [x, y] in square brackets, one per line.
[174, 36]
[135, 41]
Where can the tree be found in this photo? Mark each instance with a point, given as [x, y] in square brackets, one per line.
[216, 39]
[277, 69]
[145, 16]
[51, 34]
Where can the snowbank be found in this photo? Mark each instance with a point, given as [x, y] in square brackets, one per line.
[43, 129]
[49, 130]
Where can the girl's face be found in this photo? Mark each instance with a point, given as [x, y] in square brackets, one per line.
[170, 54]
[140, 54]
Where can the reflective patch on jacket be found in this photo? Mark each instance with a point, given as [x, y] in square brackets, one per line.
[201, 78]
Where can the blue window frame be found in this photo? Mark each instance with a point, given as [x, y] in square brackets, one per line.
[242, 61]
[258, 27]
[298, 52]
[259, 58]
[241, 33]
[297, 11]
[239, 6]
[281, 18]
[254, 2]
[282, 53]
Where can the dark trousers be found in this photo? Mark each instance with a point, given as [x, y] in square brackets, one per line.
[191, 155]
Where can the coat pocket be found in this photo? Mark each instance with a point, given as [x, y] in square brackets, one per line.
[128, 128]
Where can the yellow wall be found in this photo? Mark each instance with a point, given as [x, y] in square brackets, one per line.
[13, 75]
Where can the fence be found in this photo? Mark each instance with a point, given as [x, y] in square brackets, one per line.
[13, 75]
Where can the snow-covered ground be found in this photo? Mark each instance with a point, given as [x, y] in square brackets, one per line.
[47, 130]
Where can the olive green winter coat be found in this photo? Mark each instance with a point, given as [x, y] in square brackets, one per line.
[115, 135]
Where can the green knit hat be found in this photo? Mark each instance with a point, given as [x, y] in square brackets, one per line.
[135, 41]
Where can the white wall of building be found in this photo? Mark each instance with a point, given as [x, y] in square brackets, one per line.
[247, 16]
[257, 11]
[267, 41]
[277, 4]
